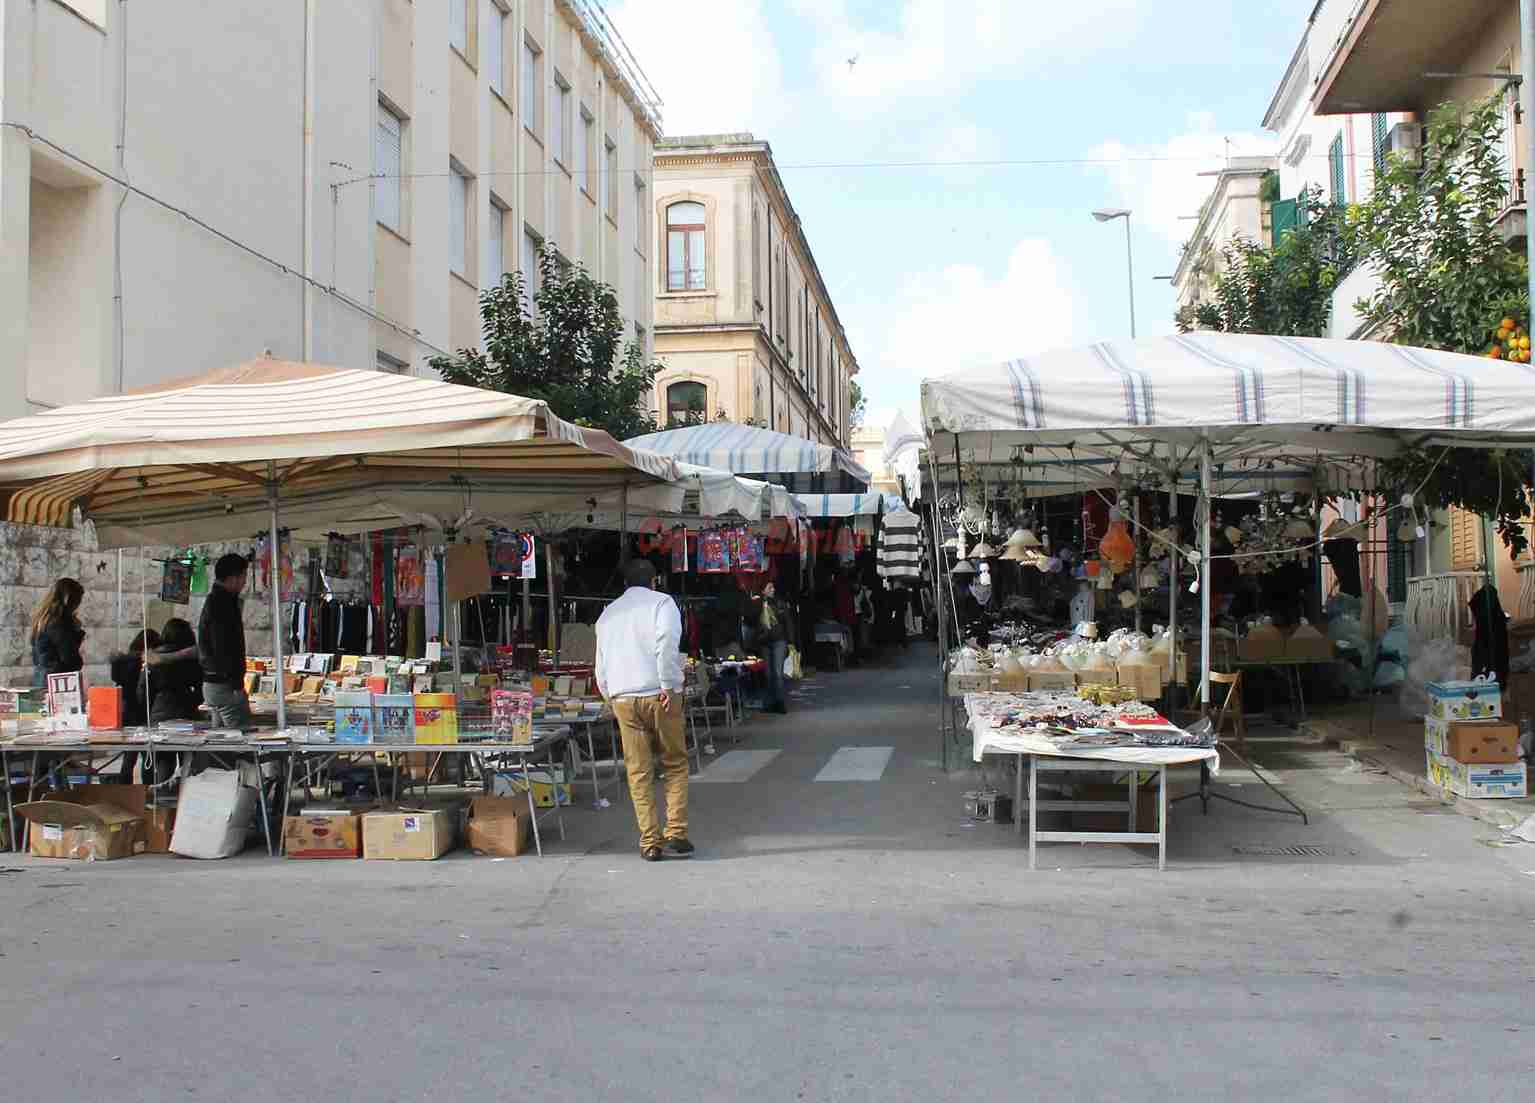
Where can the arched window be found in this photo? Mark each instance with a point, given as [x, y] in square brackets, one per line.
[685, 255]
[687, 404]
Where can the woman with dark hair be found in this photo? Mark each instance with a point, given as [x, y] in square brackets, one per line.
[176, 681]
[56, 633]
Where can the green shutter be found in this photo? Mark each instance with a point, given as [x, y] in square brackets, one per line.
[1284, 218]
[1398, 563]
[1335, 167]
[1378, 131]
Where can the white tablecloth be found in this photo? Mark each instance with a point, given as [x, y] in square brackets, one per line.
[989, 740]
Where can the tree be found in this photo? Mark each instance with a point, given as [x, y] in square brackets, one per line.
[567, 350]
[857, 405]
[1430, 229]
[1449, 281]
[1287, 290]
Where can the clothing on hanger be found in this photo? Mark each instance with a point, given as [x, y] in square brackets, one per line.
[1489, 648]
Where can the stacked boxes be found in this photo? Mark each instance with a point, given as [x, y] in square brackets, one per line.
[1471, 750]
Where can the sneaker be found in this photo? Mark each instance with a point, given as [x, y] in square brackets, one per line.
[680, 847]
[651, 853]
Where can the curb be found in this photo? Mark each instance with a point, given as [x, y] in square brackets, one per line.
[1473, 809]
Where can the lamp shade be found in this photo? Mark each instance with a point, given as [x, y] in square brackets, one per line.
[964, 566]
[983, 550]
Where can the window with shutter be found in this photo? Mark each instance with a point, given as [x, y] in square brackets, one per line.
[386, 165]
[1378, 132]
[1465, 540]
[1284, 218]
[495, 50]
[1335, 171]
[495, 244]
[458, 221]
[458, 25]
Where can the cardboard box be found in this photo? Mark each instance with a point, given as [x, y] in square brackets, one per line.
[1051, 679]
[1477, 780]
[1309, 644]
[546, 785]
[1263, 643]
[213, 812]
[1473, 741]
[324, 833]
[159, 828]
[1014, 681]
[499, 826]
[961, 684]
[403, 835]
[83, 832]
[1464, 700]
[1145, 678]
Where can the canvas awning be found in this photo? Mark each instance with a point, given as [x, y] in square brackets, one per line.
[840, 505]
[746, 449]
[194, 460]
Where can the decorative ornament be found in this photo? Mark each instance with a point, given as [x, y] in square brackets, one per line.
[1116, 547]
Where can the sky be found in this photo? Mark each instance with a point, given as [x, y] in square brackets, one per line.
[937, 257]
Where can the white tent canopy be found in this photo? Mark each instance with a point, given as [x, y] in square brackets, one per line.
[840, 505]
[746, 449]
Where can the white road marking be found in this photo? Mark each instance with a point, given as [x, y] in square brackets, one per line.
[736, 766]
[856, 764]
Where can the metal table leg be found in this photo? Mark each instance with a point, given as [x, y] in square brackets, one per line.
[287, 799]
[1161, 819]
[527, 777]
[1033, 805]
[591, 755]
[1018, 799]
[266, 820]
[1135, 780]
[10, 803]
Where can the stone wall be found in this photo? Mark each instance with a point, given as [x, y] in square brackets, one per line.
[32, 559]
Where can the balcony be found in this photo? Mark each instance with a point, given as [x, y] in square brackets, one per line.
[1382, 49]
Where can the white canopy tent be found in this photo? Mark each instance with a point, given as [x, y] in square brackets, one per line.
[748, 450]
[1170, 406]
[217, 457]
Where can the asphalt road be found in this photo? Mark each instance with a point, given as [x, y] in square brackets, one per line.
[833, 940]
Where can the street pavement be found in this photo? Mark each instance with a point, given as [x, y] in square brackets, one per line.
[843, 934]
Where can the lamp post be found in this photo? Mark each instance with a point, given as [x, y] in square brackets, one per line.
[1109, 216]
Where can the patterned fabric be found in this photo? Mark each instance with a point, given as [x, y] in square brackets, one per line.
[900, 546]
[727, 446]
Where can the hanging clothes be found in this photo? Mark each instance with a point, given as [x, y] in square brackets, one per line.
[1343, 556]
[433, 597]
[1489, 648]
[900, 546]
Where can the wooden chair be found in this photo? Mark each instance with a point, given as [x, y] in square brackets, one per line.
[1231, 706]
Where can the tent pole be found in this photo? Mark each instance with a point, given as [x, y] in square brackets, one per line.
[623, 527]
[1173, 563]
[1205, 572]
[943, 648]
[554, 611]
[276, 581]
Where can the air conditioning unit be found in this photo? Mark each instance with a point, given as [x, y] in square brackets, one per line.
[1406, 139]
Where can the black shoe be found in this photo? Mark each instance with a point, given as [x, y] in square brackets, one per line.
[651, 853]
[680, 847]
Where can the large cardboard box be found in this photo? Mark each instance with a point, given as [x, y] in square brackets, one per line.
[1051, 679]
[1473, 780]
[1464, 700]
[324, 833]
[84, 832]
[1309, 644]
[499, 826]
[420, 835]
[212, 815]
[159, 822]
[1263, 643]
[1473, 741]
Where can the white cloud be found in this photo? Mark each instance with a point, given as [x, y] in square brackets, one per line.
[715, 63]
[958, 316]
[938, 46]
[1162, 183]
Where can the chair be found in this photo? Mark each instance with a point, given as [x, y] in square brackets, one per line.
[1231, 707]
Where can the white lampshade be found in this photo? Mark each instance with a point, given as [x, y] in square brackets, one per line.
[964, 566]
[983, 550]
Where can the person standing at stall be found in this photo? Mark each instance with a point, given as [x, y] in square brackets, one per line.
[221, 645]
[773, 640]
[57, 637]
[639, 673]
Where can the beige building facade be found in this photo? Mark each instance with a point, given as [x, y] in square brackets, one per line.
[868, 447]
[1234, 209]
[743, 321]
[186, 186]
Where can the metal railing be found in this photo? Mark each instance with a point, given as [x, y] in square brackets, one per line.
[599, 25]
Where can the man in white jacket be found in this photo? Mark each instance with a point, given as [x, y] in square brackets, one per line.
[639, 673]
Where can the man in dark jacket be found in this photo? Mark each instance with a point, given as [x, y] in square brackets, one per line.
[221, 646]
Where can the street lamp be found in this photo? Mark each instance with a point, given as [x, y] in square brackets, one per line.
[1109, 215]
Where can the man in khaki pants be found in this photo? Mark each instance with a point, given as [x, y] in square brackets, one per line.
[639, 673]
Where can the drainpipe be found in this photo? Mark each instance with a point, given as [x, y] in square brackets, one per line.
[307, 175]
[117, 215]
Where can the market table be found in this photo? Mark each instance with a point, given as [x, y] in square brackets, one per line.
[1046, 756]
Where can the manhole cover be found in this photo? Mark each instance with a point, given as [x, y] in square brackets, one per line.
[1301, 851]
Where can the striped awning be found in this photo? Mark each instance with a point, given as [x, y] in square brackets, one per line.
[840, 505]
[1259, 399]
[746, 449]
[195, 460]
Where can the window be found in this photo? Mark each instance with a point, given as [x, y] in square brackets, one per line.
[756, 259]
[685, 262]
[639, 337]
[1465, 540]
[495, 253]
[583, 164]
[390, 364]
[1335, 171]
[458, 221]
[559, 126]
[495, 50]
[641, 217]
[687, 404]
[531, 59]
[610, 185]
[387, 158]
[531, 246]
[1378, 131]
[458, 25]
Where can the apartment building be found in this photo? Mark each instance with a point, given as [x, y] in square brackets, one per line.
[185, 186]
[1235, 208]
[744, 323]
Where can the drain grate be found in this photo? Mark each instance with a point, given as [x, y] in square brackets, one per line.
[1300, 851]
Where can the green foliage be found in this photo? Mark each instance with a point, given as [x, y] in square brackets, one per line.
[857, 404]
[1492, 484]
[1268, 192]
[570, 352]
[1286, 291]
[1430, 229]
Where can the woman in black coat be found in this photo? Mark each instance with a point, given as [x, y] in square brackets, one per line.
[176, 681]
[57, 637]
